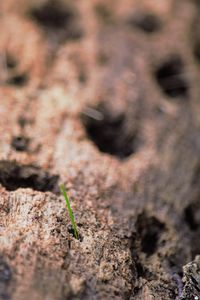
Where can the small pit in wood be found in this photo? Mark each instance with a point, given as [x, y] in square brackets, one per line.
[14, 176]
[110, 133]
[11, 62]
[149, 230]
[71, 232]
[20, 143]
[192, 215]
[147, 23]
[56, 18]
[171, 78]
[19, 80]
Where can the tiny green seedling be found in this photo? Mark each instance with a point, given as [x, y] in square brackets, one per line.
[70, 211]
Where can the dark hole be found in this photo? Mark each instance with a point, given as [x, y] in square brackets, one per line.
[14, 176]
[140, 269]
[71, 231]
[149, 230]
[109, 133]
[192, 216]
[10, 62]
[148, 23]
[5, 272]
[55, 18]
[117, 293]
[20, 143]
[23, 121]
[52, 15]
[170, 77]
[18, 80]
[136, 290]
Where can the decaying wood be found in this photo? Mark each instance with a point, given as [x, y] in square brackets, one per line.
[102, 96]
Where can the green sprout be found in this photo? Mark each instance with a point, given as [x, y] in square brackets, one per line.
[70, 211]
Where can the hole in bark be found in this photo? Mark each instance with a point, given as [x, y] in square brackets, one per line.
[148, 23]
[23, 121]
[109, 133]
[71, 231]
[149, 230]
[140, 269]
[18, 80]
[20, 143]
[11, 63]
[14, 176]
[192, 216]
[53, 17]
[170, 77]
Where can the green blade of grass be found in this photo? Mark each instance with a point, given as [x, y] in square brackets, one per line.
[70, 211]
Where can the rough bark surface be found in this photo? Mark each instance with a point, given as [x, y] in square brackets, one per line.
[103, 96]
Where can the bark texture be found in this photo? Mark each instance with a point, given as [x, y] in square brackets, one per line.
[103, 96]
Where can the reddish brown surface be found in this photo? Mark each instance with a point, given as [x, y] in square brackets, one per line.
[105, 99]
